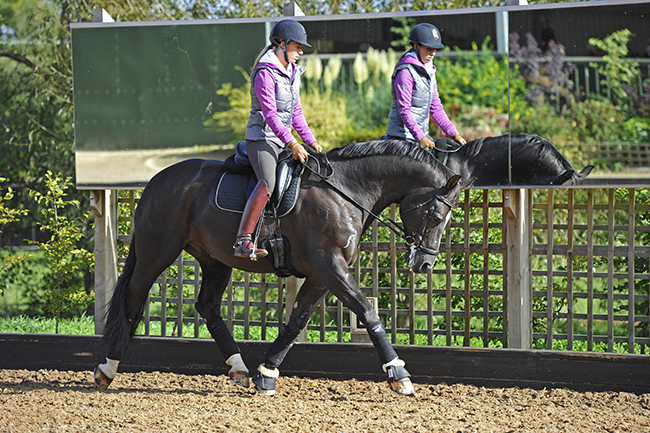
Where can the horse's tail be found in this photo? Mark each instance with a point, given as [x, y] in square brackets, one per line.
[119, 330]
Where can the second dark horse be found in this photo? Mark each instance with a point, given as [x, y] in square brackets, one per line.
[534, 161]
[177, 212]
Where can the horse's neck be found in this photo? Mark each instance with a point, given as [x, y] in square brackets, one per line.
[376, 184]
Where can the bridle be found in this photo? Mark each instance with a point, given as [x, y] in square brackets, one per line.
[416, 238]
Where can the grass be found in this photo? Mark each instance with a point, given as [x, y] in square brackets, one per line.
[85, 325]
[22, 324]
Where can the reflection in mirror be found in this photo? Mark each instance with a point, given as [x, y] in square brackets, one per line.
[579, 78]
[148, 95]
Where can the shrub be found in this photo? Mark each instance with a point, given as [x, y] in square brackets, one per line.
[64, 292]
[597, 120]
[477, 122]
[546, 73]
[8, 215]
[615, 70]
[235, 118]
[325, 111]
[479, 79]
[544, 122]
[636, 130]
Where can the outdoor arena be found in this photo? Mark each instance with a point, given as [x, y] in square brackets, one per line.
[535, 317]
[179, 381]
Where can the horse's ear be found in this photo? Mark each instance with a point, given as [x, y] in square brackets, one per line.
[467, 183]
[451, 183]
[585, 172]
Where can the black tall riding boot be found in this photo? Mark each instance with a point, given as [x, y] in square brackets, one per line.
[244, 246]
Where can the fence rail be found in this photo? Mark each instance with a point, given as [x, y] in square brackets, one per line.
[589, 279]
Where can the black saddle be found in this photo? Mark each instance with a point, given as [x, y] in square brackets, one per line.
[238, 181]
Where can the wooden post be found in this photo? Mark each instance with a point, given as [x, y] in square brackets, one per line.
[293, 286]
[104, 205]
[518, 215]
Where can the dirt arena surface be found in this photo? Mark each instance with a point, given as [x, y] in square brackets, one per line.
[65, 401]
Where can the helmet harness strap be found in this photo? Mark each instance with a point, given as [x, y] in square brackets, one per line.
[284, 49]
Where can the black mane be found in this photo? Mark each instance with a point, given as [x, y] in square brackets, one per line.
[521, 143]
[399, 148]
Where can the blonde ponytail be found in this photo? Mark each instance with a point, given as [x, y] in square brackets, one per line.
[259, 56]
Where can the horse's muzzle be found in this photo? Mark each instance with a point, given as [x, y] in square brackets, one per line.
[420, 261]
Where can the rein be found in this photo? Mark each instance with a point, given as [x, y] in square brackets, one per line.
[413, 240]
[396, 228]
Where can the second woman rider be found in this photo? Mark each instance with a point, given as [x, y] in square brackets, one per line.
[415, 91]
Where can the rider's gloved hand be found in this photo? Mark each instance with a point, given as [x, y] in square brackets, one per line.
[316, 147]
[459, 139]
[427, 143]
[298, 152]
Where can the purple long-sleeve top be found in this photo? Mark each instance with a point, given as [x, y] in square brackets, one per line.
[265, 90]
[404, 92]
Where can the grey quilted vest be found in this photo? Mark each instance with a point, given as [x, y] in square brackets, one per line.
[287, 91]
[421, 102]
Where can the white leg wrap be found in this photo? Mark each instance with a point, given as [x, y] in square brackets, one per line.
[110, 368]
[394, 363]
[275, 373]
[237, 363]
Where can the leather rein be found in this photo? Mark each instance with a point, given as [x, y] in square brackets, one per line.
[413, 240]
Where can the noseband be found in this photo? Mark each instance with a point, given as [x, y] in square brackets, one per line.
[416, 238]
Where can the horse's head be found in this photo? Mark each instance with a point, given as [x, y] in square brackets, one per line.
[425, 213]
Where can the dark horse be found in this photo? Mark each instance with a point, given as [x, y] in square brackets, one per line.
[177, 212]
[535, 161]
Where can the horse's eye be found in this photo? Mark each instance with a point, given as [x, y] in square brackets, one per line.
[435, 217]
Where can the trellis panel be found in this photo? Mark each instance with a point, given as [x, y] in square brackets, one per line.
[583, 277]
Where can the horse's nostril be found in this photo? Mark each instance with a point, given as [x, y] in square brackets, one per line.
[426, 267]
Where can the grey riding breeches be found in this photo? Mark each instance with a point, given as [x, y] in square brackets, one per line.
[263, 156]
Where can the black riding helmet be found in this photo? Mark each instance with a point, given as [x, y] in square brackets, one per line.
[426, 34]
[288, 30]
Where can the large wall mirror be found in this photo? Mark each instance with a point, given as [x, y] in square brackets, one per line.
[579, 77]
[147, 95]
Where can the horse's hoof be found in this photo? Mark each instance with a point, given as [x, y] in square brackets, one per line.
[403, 386]
[264, 391]
[240, 378]
[101, 380]
[264, 380]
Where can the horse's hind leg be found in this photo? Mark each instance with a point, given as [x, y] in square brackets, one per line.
[308, 297]
[127, 303]
[214, 282]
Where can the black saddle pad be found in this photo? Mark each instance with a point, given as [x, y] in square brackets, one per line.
[233, 191]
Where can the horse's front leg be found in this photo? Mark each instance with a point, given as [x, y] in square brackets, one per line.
[345, 288]
[308, 297]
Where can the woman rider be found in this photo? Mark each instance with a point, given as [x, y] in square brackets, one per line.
[275, 108]
[415, 91]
